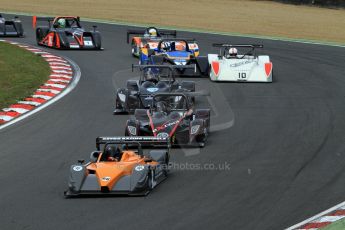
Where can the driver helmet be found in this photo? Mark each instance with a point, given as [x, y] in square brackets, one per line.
[150, 76]
[233, 52]
[152, 32]
[61, 23]
[166, 46]
[161, 107]
[113, 153]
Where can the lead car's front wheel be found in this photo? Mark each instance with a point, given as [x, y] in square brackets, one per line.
[149, 182]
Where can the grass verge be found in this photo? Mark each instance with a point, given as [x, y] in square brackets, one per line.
[21, 73]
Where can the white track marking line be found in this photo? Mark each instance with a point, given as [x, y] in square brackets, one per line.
[42, 96]
[18, 110]
[59, 80]
[49, 90]
[55, 85]
[34, 103]
[328, 219]
[5, 118]
[60, 75]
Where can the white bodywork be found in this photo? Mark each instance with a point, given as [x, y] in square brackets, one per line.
[241, 68]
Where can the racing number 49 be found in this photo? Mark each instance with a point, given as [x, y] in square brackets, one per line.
[242, 75]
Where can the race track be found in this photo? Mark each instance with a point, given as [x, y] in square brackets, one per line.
[285, 143]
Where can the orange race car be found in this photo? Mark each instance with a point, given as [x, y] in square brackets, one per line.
[121, 167]
[147, 37]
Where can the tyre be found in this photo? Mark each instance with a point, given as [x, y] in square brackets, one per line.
[204, 114]
[149, 184]
[40, 34]
[165, 165]
[202, 139]
[118, 104]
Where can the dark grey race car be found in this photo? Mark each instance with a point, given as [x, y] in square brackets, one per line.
[66, 32]
[153, 79]
[11, 28]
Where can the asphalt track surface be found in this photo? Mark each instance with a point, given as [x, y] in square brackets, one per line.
[286, 147]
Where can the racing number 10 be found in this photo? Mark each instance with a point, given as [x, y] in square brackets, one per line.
[242, 75]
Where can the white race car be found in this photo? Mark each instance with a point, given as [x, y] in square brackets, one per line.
[228, 65]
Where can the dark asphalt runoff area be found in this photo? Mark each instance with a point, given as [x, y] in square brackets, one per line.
[284, 143]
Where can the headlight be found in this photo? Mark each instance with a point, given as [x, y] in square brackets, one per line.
[139, 168]
[163, 135]
[132, 130]
[194, 129]
[122, 97]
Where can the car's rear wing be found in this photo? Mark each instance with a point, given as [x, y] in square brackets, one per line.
[182, 94]
[188, 40]
[45, 19]
[237, 45]
[136, 140]
[14, 18]
[224, 46]
[163, 96]
[49, 19]
[171, 67]
[142, 32]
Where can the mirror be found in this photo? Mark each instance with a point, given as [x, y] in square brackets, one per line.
[94, 156]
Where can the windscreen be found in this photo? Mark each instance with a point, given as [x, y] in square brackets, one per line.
[172, 102]
[157, 73]
[170, 46]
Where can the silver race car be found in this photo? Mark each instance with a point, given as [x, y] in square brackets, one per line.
[228, 65]
[11, 28]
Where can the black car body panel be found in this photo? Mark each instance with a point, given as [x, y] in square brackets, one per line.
[138, 94]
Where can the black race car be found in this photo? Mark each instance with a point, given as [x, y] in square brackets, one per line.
[171, 116]
[66, 32]
[153, 79]
[179, 52]
[11, 28]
